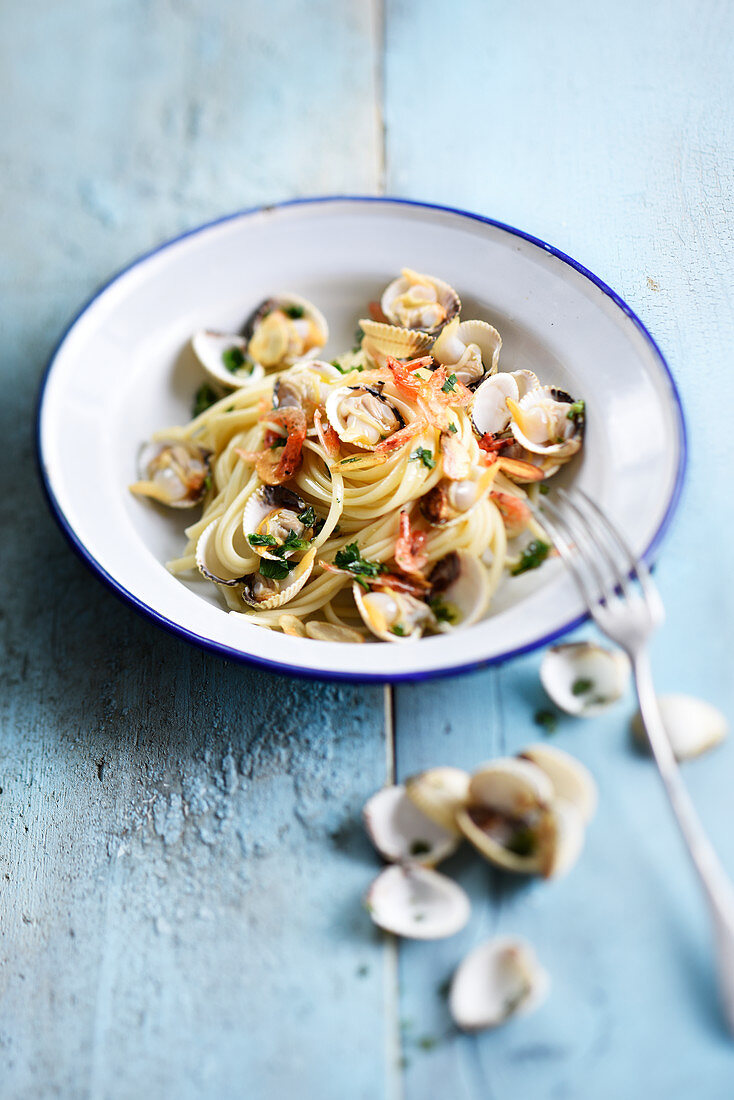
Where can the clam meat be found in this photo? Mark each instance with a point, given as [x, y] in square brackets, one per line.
[421, 302]
[173, 472]
[283, 330]
[470, 349]
[362, 416]
[272, 522]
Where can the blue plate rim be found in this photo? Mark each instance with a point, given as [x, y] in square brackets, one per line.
[227, 652]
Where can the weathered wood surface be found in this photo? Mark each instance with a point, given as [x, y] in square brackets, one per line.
[180, 858]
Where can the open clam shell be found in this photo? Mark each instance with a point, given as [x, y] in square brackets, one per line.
[225, 359]
[543, 422]
[440, 793]
[272, 513]
[571, 780]
[583, 678]
[363, 416]
[460, 590]
[392, 616]
[561, 835]
[499, 979]
[401, 343]
[417, 903]
[402, 833]
[470, 348]
[420, 302]
[285, 329]
[266, 593]
[305, 386]
[507, 817]
[172, 472]
[693, 726]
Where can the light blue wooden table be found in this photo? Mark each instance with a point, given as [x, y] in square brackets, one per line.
[181, 861]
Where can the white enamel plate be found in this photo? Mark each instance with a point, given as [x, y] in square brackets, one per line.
[123, 370]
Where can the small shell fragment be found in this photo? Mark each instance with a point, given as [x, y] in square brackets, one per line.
[417, 903]
[497, 980]
[571, 780]
[401, 833]
[583, 678]
[440, 793]
[693, 726]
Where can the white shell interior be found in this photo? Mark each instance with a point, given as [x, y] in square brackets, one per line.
[692, 725]
[401, 832]
[126, 369]
[499, 979]
[417, 903]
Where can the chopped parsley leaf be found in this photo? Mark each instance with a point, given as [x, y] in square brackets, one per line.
[443, 613]
[233, 359]
[532, 556]
[307, 518]
[453, 429]
[398, 630]
[546, 719]
[350, 559]
[295, 312]
[425, 456]
[345, 370]
[450, 384]
[278, 442]
[577, 411]
[358, 337]
[581, 686]
[319, 525]
[275, 570]
[293, 542]
[261, 540]
[204, 398]
[208, 482]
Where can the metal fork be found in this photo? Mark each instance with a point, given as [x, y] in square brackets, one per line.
[626, 606]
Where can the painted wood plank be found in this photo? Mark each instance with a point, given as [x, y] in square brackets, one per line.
[607, 132]
[180, 873]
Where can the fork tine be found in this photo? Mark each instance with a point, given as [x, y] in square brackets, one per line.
[563, 542]
[580, 545]
[636, 566]
[598, 537]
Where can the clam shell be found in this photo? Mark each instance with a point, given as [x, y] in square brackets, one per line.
[489, 412]
[267, 499]
[401, 343]
[209, 347]
[417, 903]
[452, 343]
[402, 833]
[445, 293]
[384, 610]
[499, 979]
[440, 793]
[163, 482]
[693, 726]
[549, 397]
[310, 313]
[298, 578]
[510, 787]
[567, 668]
[208, 561]
[467, 597]
[305, 386]
[571, 780]
[496, 852]
[561, 838]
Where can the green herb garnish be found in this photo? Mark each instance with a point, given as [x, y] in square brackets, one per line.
[358, 337]
[398, 630]
[443, 613]
[346, 370]
[294, 311]
[543, 490]
[350, 559]
[577, 411]
[532, 556]
[261, 540]
[581, 687]
[307, 518]
[522, 842]
[453, 429]
[204, 398]
[233, 359]
[293, 542]
[546, 719]
[208, 482]
[279, 441]
[275, 570]
[425, 456]
[450, 384]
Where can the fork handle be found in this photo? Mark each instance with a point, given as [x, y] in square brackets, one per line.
[716, 883]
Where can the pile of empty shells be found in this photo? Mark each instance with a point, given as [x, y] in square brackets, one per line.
[526, 814]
